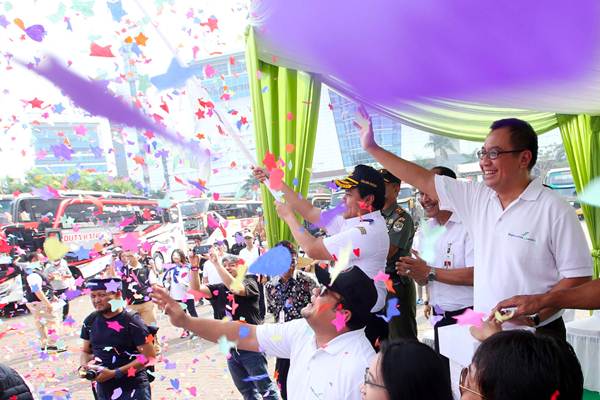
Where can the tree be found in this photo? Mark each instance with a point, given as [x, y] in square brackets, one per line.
[441, 145]
[249, 190]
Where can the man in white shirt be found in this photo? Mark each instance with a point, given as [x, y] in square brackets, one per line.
[527, 239]
[249, 253]
[358, 234]
[328, 350]
[450, 276]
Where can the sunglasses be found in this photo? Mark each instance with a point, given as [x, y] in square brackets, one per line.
[462, 387]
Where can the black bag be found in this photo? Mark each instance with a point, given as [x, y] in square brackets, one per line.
[152, 329]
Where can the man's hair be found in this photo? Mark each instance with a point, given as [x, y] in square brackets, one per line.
[520, 365]
[522, 136]
[444, 171]
[424, 377]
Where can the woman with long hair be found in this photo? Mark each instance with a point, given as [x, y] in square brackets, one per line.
[177, 280]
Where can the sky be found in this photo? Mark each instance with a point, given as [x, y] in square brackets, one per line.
[179, 28]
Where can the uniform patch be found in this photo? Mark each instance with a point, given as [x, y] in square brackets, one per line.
[362, 230]
[398, 225]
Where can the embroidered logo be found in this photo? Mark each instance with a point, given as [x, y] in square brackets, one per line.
[524, 236]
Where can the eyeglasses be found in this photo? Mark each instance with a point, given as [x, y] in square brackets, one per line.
[462, 383]
[369, 382]
[495, 153]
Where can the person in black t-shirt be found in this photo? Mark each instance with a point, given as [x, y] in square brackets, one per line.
[116, 344]
[238, 296]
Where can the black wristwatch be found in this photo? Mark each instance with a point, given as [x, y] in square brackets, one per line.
[431, 276]
[118, 373]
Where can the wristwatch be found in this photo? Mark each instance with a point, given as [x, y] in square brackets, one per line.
[431, 276]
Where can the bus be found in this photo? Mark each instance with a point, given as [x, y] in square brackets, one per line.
[561, 181]
[85, 222]
[218, 220]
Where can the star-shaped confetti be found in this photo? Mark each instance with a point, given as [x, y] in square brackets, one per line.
[141, 39]
[67, 221]
[128, 242]
[114, 325]
[113, 286]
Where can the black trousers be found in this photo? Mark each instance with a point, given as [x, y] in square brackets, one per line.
[404, 326]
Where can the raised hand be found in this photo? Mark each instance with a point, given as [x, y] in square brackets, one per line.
[362, 121]
[260, 174]
[161, 297]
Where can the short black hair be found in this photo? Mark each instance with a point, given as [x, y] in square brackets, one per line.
[424, 377]
[522, 136]
[445, 171]
[520, 365]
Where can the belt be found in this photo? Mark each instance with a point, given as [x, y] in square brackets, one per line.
[450, 314]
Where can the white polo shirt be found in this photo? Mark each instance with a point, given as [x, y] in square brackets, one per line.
[453, 249]
[209, 271]
[524, 249]
[368, 236]
[333, 372]
[249, 256]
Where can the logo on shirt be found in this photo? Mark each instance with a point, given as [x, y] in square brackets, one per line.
[524, 236]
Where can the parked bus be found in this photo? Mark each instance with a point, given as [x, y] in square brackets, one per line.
[214, 221]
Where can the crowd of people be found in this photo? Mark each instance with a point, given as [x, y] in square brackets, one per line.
[507, 247]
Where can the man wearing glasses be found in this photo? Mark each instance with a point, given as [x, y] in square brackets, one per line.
[527, 239]
[327, 348]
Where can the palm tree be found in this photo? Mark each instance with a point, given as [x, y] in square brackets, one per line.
[441, 146]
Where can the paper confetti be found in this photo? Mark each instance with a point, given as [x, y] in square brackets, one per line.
[54, 248]
[591, 193]
[470, 317]
[274, 262]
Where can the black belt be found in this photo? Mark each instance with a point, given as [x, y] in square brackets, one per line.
[450, 314]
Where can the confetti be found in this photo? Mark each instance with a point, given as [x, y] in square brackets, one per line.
[274, 262]
[470, 317]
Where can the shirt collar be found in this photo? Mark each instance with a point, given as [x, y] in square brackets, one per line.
[357, 220]
[533, 190]
[388, 211]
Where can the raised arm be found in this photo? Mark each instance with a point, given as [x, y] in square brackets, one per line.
[301, 206]
[406, 171]
[209, 329]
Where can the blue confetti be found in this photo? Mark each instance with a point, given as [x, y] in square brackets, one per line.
[274, 262]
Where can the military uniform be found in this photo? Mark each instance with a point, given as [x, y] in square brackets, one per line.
[401, 231]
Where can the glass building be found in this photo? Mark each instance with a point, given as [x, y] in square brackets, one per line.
[53, 144]
[387, 131]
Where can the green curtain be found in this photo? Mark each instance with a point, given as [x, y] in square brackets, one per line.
[581, 138]
[285, 107]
